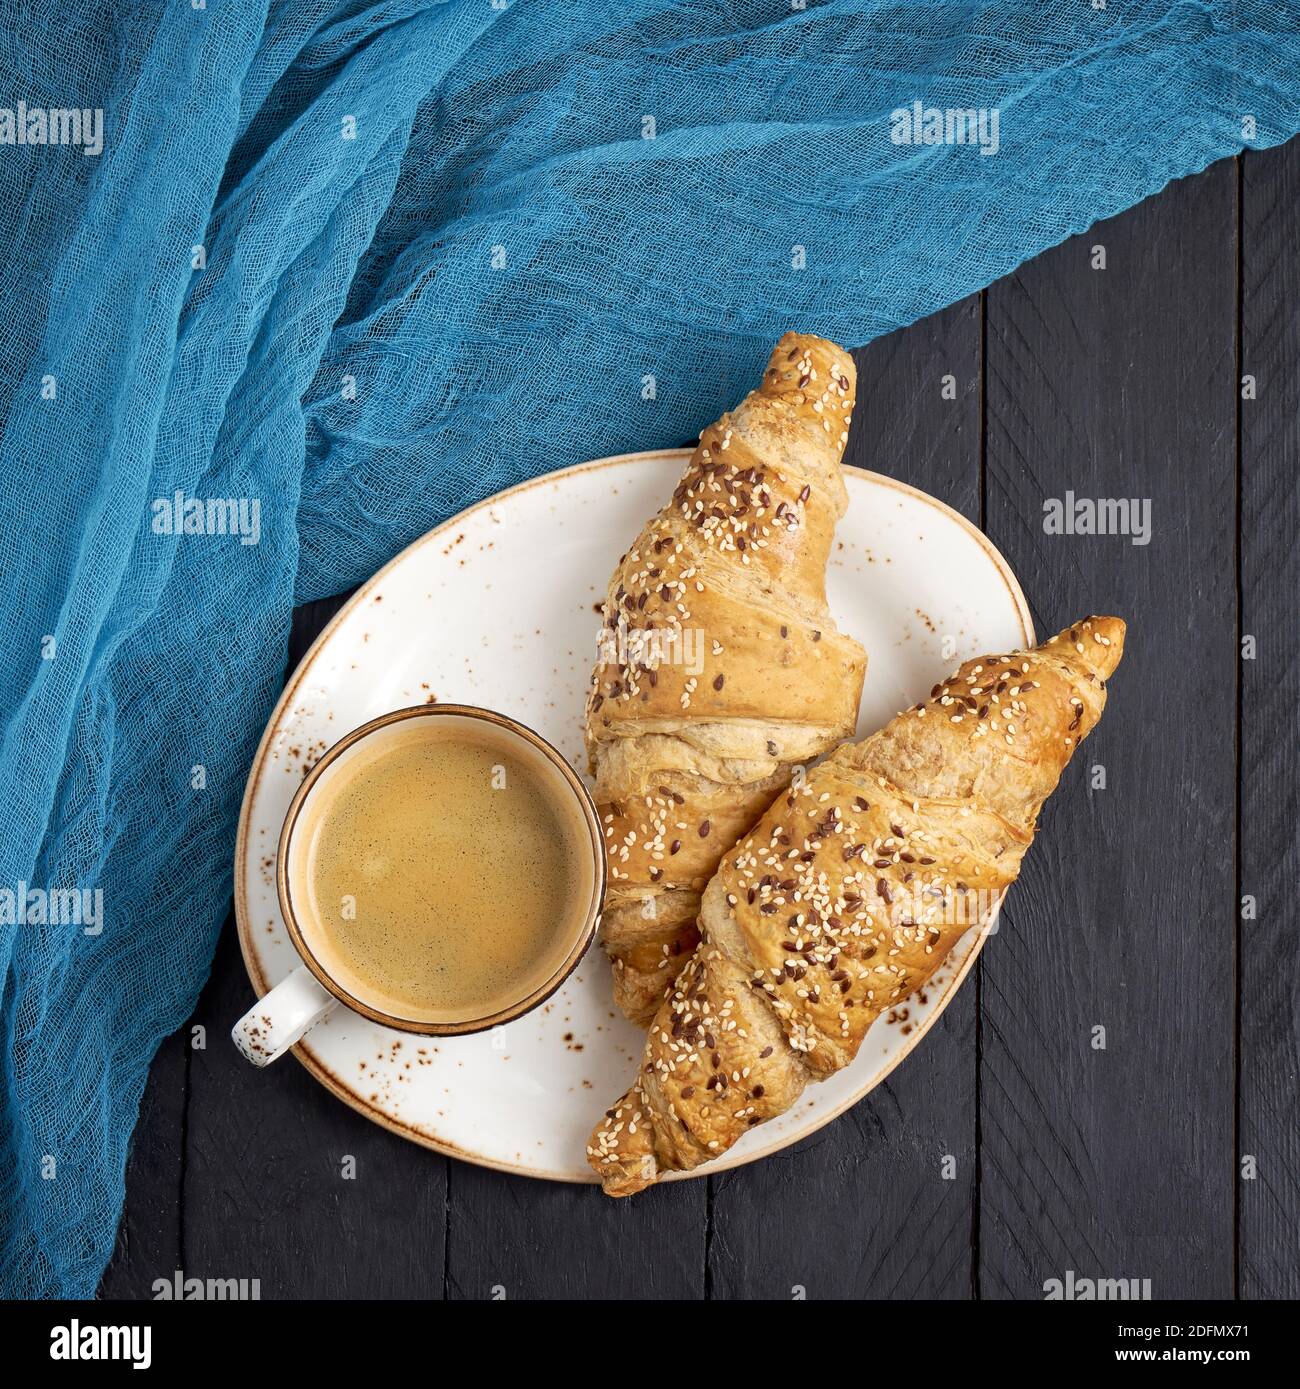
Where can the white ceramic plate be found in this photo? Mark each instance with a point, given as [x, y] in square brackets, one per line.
[499, 607]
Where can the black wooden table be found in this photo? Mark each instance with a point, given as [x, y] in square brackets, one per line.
[1114, 1091]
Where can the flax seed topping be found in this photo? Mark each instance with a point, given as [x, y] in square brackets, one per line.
[683, 640]
[849, 894]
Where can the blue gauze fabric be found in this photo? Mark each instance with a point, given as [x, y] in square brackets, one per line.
[368, 263]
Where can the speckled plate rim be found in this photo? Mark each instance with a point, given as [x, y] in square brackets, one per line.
[326, 1077]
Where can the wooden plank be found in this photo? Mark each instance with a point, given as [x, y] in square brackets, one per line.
[1269, 1153]
[268, 1193]
[515, 1238]
[1120, 383]
[149, 1237]
[863, 1208]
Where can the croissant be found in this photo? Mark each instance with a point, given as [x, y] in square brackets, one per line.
[848, 895]
[720, 667]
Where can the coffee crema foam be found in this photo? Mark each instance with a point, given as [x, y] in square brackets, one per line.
[440, 870]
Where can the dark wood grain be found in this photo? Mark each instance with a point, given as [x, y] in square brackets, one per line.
[149, 1238]
[512, 1237]
[1120, 383]
[872, 1186]
[1269, 1156]
[1120, 1162]
[266, 1190]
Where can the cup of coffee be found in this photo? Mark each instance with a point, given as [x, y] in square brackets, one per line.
[441, 871]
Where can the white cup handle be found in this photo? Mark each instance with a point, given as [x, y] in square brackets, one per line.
[282, 1017]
